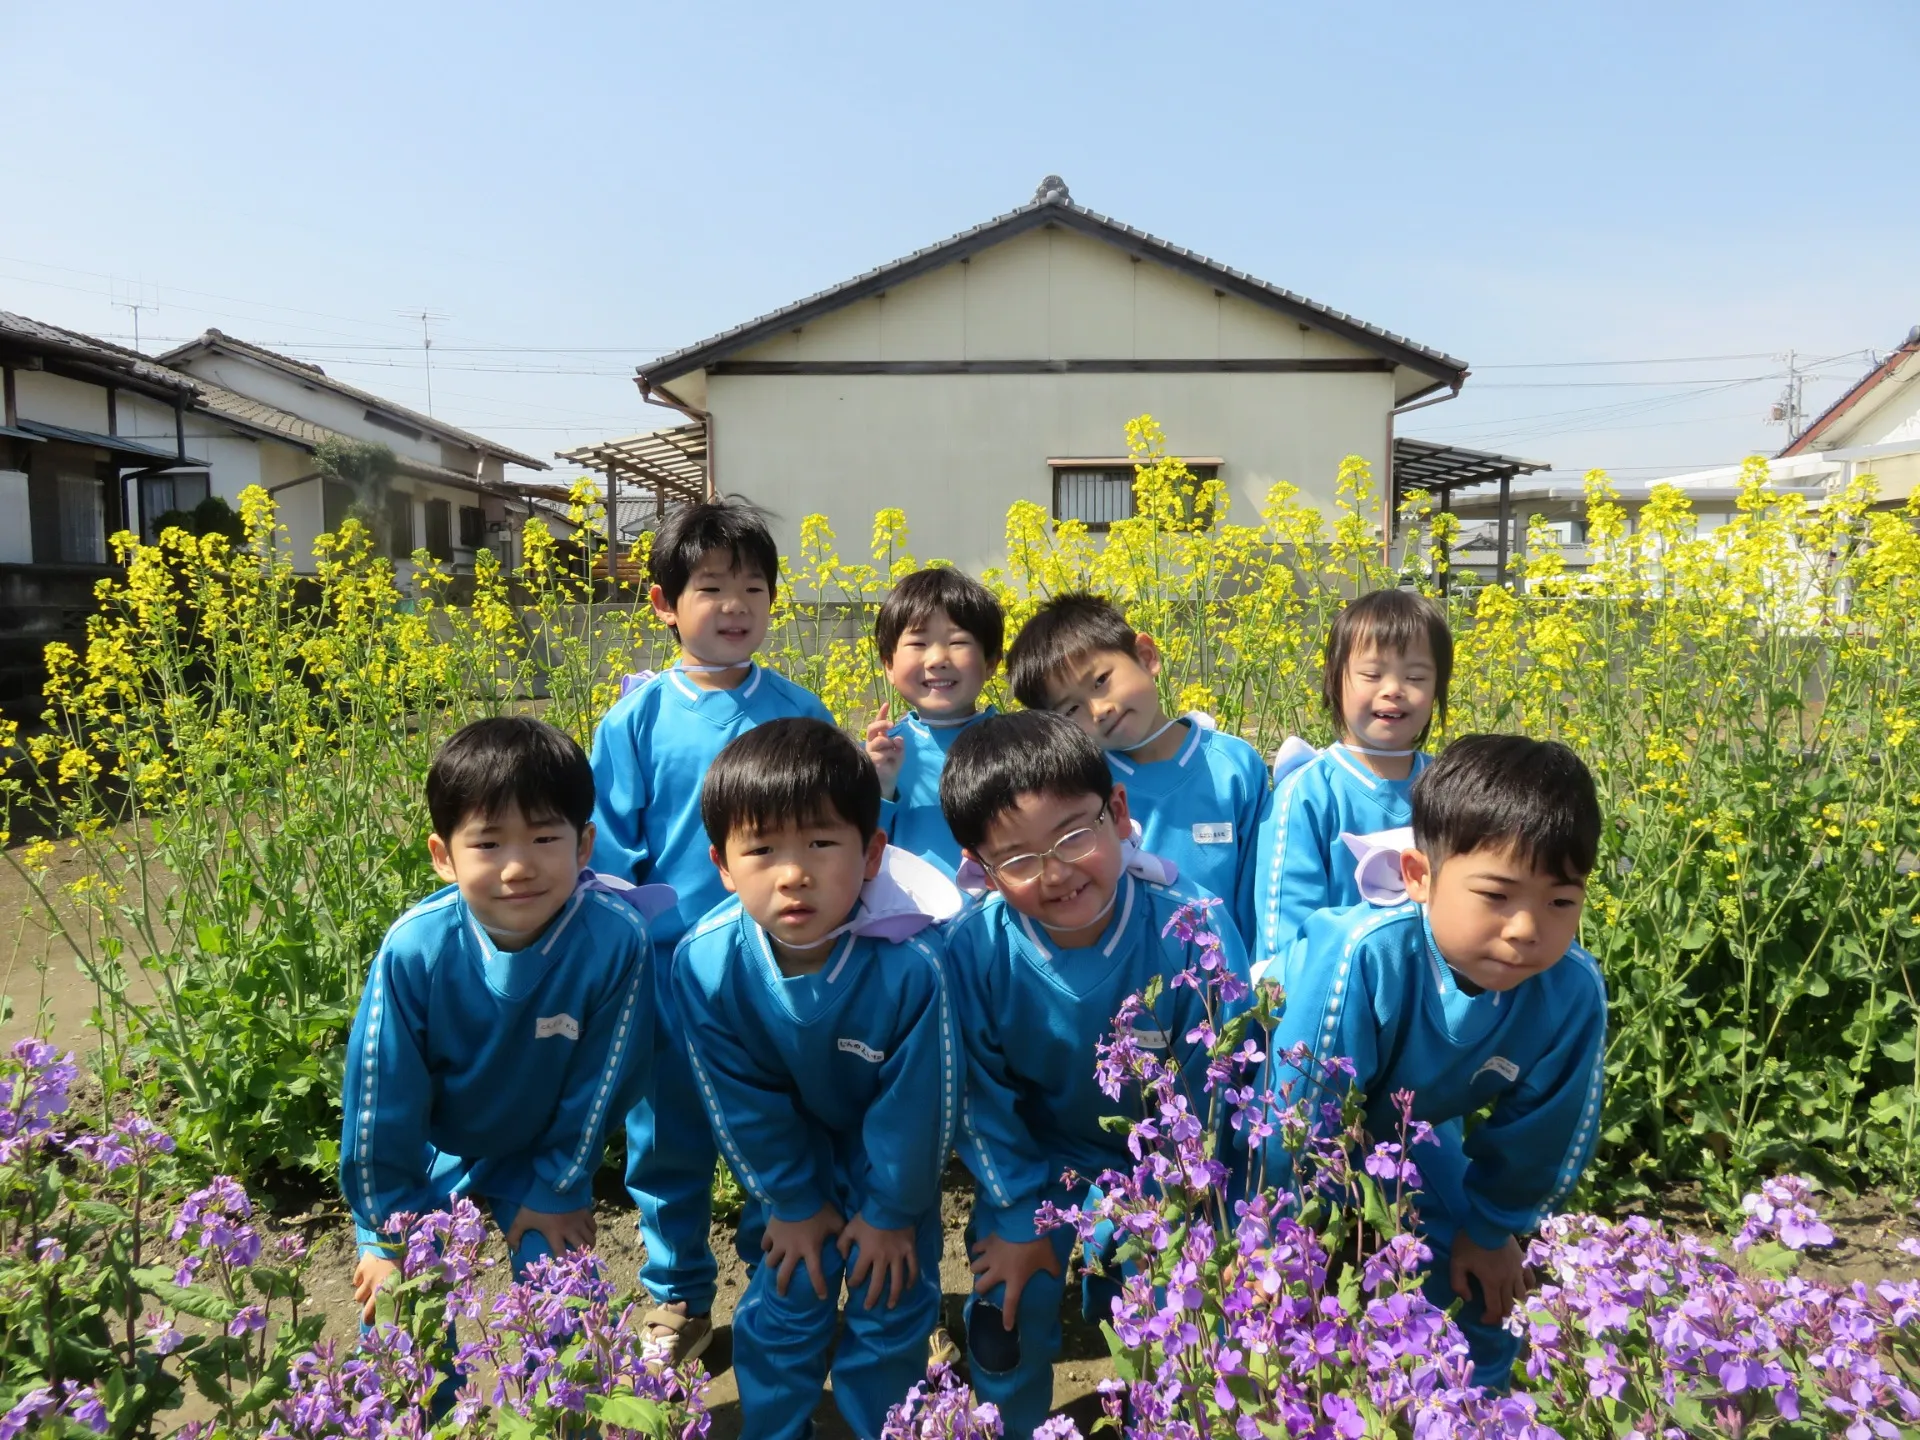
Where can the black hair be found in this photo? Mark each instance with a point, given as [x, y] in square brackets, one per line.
[1392, 621]
[1535, 797]
[695, 531]
[967, 603]
[791, 771]
[509, 760]
[1065, 629]
[1029, 752]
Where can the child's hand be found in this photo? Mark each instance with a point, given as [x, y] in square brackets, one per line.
[1012, 1263]
[885, 1254]
[886, 751]
[1502, 1274]
[789, 1243]
[568, 1230]
[369, 1275]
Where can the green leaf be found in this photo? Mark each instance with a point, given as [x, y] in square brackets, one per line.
[512, 1425]
[189, 1300]
[1116, 1124]
[101, 1212]
[629, 1412]
[1123, 1362]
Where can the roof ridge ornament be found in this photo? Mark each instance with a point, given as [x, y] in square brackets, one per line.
[1052, 191]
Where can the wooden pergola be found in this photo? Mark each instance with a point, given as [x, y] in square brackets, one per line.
[672, 463]
[1442, 469]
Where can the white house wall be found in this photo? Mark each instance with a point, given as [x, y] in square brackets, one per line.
[1053, 294]
[56, 400]
[955, 451]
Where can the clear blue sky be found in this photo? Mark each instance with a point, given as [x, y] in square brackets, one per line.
[575, 187]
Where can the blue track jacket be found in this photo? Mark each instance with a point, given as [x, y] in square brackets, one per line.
[650, 756]
[834, 1088]
[1030, 1013]
[510, 1062]
[1369, 984]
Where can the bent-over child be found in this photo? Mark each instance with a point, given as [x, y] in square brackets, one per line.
[1039, 970]
[712, 572]
[825, 1049]
[505, 1018]
[1471, 995]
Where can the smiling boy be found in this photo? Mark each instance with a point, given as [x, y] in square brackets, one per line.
[1039, 969]
[939, 635]
[504, 1018]
[1200, 796]
[1472, 995]
[825, 1049]
[713, 570]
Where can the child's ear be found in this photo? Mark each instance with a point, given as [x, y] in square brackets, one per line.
[1147, 651]
[1417, 874]
[662, 607]
[1117, 811]
[586, 844]
[876, 852]
[719, 859]
[442, 858]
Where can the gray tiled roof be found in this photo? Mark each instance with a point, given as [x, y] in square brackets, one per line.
[1052, 205]
[313, 374]
[34, 333]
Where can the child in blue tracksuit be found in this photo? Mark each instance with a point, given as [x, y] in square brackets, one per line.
[1201, 797]
[1472, 994]
[712, 570]
[1039, 969]
[1389, 659]
[505, 1018]
[939, 634]
[815, 1008]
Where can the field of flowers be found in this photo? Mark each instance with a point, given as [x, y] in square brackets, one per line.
[237, 756]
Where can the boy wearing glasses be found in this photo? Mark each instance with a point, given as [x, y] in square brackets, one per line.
[1068, 930]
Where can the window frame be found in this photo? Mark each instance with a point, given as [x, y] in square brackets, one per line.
[1202, 471]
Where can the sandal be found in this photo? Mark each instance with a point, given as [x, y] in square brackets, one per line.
[689, 1334]
[941, 1350]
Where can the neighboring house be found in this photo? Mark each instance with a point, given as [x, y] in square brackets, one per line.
[85, 426]
[265, 412]
[96, 438]
[1873, 429]
[1002, 365]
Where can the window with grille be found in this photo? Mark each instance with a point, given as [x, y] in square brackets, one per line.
[473, 527]
[1102, 494]
[440, 529]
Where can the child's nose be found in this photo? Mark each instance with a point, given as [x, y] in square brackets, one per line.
[1521, 928]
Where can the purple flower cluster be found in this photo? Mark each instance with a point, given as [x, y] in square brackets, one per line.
[80, 1404]
[1631, 1315]
[943, 1408]
[32, 1091]
[1782, 1213]
[210, 1228]
[560, 1347]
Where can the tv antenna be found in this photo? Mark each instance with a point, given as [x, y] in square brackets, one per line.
[426, 319]
[136, 305]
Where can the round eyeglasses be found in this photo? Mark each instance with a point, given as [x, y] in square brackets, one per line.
[1072, 846]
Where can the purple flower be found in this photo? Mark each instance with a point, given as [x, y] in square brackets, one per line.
[250, 1319]
[160, 1333]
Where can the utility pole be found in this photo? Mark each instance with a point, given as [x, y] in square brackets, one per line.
[1788, 410]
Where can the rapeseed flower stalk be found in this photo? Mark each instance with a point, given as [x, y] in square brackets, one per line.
[237, 752]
